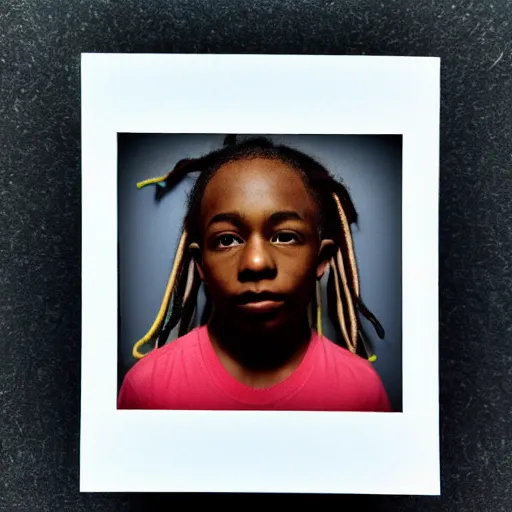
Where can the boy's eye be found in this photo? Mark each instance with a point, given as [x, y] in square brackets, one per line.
[227, 241]
[285, 238]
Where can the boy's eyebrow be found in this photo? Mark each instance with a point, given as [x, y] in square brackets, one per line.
[237, 218]
[233, 217]
[278, 217]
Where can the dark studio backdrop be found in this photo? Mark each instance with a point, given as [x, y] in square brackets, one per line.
[150, 228]
[40, 223]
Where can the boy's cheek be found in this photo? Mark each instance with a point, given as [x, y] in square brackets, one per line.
[219, 285]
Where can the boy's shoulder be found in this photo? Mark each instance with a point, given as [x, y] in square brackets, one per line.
[357, 374]
[347, 360]
[162, 356]
[138, 387]
[341, 353]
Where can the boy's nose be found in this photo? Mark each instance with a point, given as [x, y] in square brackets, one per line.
[256, 262]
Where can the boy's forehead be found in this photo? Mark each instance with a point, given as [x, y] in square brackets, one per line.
[258, 183]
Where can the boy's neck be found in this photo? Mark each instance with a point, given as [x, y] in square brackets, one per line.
[260, 361]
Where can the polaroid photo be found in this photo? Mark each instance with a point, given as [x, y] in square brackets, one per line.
[260, 274]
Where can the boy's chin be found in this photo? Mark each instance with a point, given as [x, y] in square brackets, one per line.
[280, 322]
[266, 326]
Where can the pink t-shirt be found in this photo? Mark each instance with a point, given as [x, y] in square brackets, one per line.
[187, 374]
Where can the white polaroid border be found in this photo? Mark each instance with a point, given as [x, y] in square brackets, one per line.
[239, 451]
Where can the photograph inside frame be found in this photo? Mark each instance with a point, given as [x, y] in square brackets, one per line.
[260, 272]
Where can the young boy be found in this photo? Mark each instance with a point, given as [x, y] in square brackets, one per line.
[256, 230]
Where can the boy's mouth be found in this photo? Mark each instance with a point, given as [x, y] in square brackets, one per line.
[260, 302]
[264, 306]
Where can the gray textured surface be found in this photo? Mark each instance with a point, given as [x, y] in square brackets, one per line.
[40, 45]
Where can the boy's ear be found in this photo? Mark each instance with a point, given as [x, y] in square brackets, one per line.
[195, 250]
[326, 252]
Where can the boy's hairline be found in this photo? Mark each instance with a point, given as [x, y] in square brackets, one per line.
[236, 158]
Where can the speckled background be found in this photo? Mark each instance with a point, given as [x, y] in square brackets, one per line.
[40, 217]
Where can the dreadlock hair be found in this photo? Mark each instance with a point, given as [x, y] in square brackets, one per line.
[337, 214]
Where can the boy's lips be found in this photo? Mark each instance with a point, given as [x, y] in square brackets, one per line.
[260, 302]
[263, 306]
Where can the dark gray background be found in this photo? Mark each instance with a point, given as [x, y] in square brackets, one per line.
[40, 218]
[149, 231]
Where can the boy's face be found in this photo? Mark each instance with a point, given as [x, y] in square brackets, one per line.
[260, 252]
